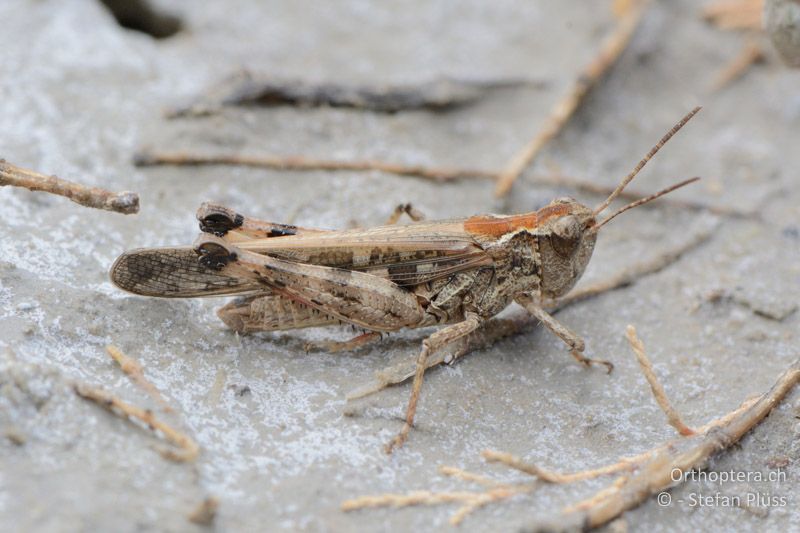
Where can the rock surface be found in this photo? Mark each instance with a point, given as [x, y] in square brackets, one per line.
[81, 95]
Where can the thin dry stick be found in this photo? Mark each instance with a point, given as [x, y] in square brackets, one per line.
[470, 501]
[294, 163]
[751, 53]
[470, 477]
[126, 202]
[133, 369]
[549, 476]
[189, 449]
[646, 474]
[626, 464]
[610, 51]
[418, 497]
[734, 14]
[673, 417]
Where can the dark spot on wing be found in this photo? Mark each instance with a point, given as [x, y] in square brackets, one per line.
[170, 273]
[282, 230]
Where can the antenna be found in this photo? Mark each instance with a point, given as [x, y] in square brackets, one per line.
[644, 200]
[644, 161]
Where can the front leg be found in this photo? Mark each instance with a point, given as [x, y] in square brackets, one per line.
[437, 340]
[572, 340]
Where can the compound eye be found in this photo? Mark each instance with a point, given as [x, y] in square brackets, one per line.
[566, 236]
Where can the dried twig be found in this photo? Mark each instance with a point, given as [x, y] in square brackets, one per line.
[734, 14]
[124, 202]
[470, 477]
[188, 448]
[673, 417]
[133, 369]
[549, 476]
[609, 52]
[591, 74]
[751, 53]
[293, 163]
[683, 455]
[643, 475]
[300, 163]
[469, 500]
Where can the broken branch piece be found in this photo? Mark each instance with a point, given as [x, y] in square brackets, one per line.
[126, 203]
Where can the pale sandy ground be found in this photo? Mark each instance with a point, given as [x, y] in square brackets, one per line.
[79, 95]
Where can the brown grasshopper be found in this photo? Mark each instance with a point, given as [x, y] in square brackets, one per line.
[452, 273]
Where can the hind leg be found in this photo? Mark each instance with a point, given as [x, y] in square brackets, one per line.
[272, 312]
[358, 341]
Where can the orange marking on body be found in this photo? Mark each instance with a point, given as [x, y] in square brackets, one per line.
[497, 226]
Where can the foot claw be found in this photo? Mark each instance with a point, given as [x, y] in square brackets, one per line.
[587, 362]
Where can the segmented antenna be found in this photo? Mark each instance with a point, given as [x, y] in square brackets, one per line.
[644, 161]
[642, 201]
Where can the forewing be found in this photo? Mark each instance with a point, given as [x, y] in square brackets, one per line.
[407, 255]
[173, 273]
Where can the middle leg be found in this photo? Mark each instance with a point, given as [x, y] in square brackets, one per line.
[437, 340]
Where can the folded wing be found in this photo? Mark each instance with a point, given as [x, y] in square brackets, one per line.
[173, 273]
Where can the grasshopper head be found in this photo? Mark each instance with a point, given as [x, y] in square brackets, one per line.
[566, 243]
[568, 230]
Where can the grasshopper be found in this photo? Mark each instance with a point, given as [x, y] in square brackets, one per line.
[451, 273]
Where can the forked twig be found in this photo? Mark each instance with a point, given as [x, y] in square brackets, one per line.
[641, 476]
[610, 51]
[300, 163]
[470, 500]
[188, 450]
[133, 369]
[683, 455]
[126, 203]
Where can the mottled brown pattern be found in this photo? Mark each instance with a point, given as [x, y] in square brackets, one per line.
[272, 312]
[351, 296]
[172, 273]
